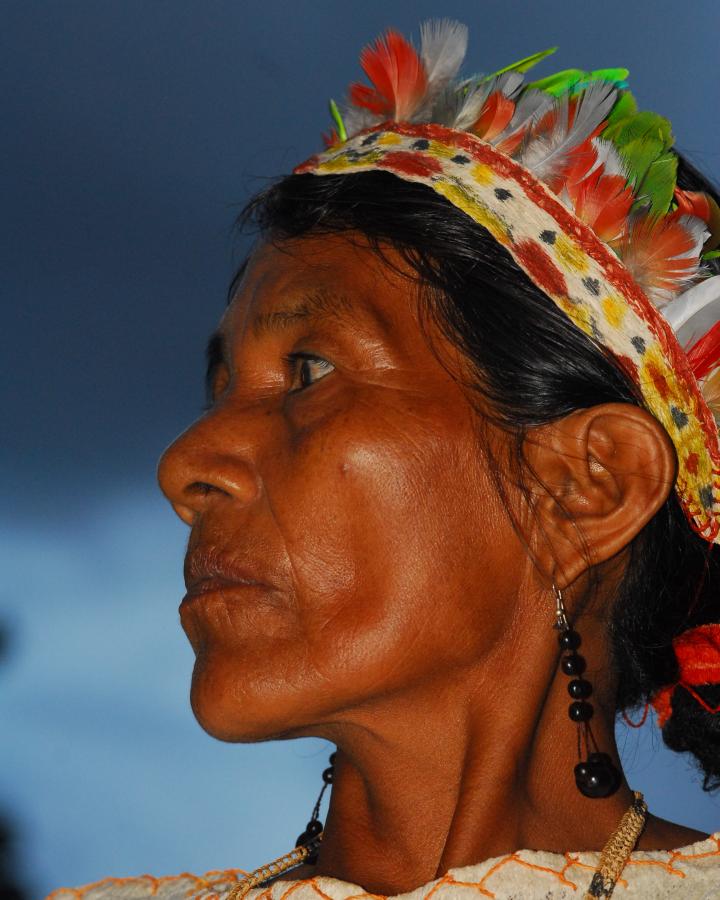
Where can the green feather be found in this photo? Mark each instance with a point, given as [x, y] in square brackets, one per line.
[638, 156]
[523, 65]
[658, 185]
[337, 118]
[616, 77]
[641, 126]
[575, 80]
[559, 83]
[625, 107]
[711, 254]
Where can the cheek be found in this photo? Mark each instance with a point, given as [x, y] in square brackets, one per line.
[387, 541]
[398, 553]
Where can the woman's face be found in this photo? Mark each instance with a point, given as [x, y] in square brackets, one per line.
[338, 467]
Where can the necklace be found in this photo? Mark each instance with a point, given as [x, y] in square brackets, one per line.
[613, 857]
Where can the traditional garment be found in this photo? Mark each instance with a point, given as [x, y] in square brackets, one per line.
[688, 873]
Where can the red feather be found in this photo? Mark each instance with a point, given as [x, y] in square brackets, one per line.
[661, 255]
[704, 355]
[693, 203]
[495, 116]
[580, 161]
[398, 77]
[603, 202]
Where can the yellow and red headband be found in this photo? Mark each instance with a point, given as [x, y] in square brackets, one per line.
[580, 188]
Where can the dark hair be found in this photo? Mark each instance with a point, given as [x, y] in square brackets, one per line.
[672, 576]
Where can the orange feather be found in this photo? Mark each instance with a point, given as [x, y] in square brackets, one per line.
[662, 253]
[704, 355]
[603, 202]
[495, 116]
[398, 77]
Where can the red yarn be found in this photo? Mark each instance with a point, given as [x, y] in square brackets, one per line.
[698, 655]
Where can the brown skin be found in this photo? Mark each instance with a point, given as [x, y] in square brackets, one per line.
[406, 622]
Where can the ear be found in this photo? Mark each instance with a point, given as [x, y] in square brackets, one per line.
[603, 473]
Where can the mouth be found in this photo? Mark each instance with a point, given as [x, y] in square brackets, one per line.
[214, 584]
[205, 564]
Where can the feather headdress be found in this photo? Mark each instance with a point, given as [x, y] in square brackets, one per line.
[580, 187]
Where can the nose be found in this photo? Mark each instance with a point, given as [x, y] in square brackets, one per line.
[206, 463]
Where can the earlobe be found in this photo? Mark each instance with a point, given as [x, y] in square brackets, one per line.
[602, 474]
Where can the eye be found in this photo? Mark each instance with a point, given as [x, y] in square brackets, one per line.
[306, 365]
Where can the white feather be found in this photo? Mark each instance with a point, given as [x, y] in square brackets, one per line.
[509, 83]
[469, 101]
[693, 313]
[531, 106]
[357, 118]
[443, 46]
[544, 154]
[609, 158]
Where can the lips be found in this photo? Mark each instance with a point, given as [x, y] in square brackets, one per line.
[208, 569]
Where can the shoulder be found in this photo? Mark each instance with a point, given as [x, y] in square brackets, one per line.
[691, 872]
[169, 887]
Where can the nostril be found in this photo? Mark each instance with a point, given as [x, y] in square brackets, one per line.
[202, 489]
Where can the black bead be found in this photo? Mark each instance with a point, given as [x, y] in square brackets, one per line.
[333, 756]
[598, 776]
[327, 775]
[579, 688]
[569, 640]
[311, 859]
[580, 711]
[302, 839]
[573, 664]
[314, 826]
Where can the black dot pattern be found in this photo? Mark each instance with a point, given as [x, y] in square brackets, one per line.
[638, 343]
[706, 496]
[592, 286]
[680, 417]
[503, 194]
[548, 237]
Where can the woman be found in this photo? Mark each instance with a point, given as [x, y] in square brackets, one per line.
[444, 420]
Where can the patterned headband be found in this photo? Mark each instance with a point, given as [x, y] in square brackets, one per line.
[580, 189]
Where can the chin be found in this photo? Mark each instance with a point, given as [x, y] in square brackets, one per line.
[232, 715]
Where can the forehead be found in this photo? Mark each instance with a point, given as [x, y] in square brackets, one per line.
[332, 277]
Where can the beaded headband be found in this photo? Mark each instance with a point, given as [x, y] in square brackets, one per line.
[580, 188]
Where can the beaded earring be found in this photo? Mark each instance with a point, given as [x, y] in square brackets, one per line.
[596, 776]
[312, 836]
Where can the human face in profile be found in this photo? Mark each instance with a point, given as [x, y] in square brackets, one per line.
[347, 544]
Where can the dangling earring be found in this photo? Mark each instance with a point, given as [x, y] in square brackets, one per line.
[312, 836]
[596, 776]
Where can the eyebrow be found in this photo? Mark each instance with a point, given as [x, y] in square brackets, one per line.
[318, 306]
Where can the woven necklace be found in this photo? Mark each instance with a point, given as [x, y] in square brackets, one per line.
[613, 857]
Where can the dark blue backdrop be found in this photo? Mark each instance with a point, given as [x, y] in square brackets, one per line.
[132, 133]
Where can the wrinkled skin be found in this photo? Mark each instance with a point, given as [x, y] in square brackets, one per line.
[400, 614]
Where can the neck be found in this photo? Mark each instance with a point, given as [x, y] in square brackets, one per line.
[410, 801]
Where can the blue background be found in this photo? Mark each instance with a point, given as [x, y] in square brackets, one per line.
[133, 132]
